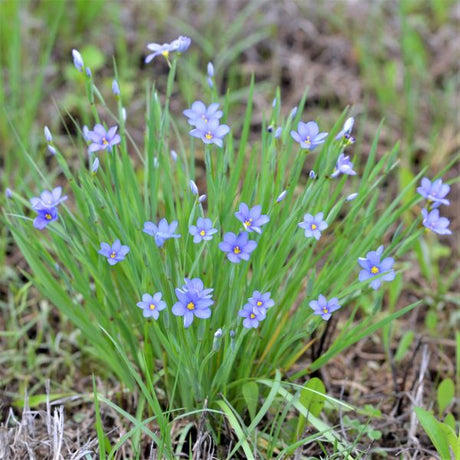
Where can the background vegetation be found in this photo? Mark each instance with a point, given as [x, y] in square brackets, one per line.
[392, 60]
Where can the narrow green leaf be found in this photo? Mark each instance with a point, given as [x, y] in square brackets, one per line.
[251, 396]
[435, 432]
[445, 394]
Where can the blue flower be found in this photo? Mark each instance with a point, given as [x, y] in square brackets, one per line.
[47, 133]
[261, 301]
[95, 165]
[251, 316]
[343, 166]
[313, 225]
[372, 267]
[77, 60]
[162, 232]
[351, 197]
[48, 199]
[278, 132]
[434, 191]
[238, 248]
[179, 45]
[45, 216]
[210, 132]
[102, 139]
[252, 219]
[210, 69]
[203, 230]
[308, 135]
[115, 253]
[193, 300]
[436, 224]
[345, 133]
[323, 307]
[199, 112]
[152, 305]
[281, 196]
[194, 188]
[115, 88]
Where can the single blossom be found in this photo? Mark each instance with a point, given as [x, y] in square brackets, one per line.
[210, 132]
[238, 248]
[313, 225]
[203, 230]
[193, 301]
[436, 224]
[210, 69]
[199, 112]
[115, 253]
[324, 307]
[51, 149]
[281, 196]
[162, 232]
[8, 193]
[252, 219]
[47, 133]
[351, 197]
[435, 191]
[312, 174]
[193, 187]
[102, 139]
[372, 266]
[345, 133]
[261, 301]
[293, 112]
[343, 166]
[201, 198]
[278, 132]
[251, 316]
[115, 88]
[152, 305]
[95, 165]
[77, 60]
[308, 135]
[173, 154]
[179, 45]
[45, 216]
[88, 72]
[48, 199]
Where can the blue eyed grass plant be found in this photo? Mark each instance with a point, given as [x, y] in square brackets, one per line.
[202, 280]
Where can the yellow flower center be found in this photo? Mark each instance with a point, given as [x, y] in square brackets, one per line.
[314, 226]
[259, 303]
[165, 54]
[48, 216]
[252, 316]
[190, 306]
[374, 270]
[105, 141]
[202, 233]
[248, 222]
[208, 135]
[307, 140]
[152, 306]
[236, 250]
[325, 310]
[113, 255]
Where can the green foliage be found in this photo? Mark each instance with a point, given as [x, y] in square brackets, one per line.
[441, 435]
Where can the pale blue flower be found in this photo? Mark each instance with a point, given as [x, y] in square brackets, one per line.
[313, 225]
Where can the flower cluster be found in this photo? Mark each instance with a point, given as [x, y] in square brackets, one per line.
[255, 310]
[435, 192]
[46, 206]
[206, 123]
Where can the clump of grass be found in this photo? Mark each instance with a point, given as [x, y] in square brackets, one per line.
[97, 262]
